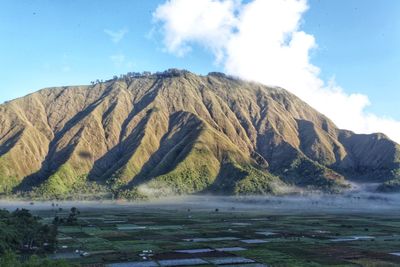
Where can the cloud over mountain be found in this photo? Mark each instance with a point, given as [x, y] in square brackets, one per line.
[178, 132]
[262, 40]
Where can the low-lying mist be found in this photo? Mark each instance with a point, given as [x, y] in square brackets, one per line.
[360, 200]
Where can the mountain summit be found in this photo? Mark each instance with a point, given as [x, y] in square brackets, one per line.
[179, 133]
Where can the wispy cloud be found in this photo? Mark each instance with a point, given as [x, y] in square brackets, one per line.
[66, 68]
[116, 36]
[262, 40]
[119, 60]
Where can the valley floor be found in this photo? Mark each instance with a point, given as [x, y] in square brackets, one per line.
[209, 231]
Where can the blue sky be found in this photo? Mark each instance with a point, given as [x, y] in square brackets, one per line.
[51, 43]
[359, 43]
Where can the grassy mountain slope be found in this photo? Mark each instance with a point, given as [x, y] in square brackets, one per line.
[177, 132]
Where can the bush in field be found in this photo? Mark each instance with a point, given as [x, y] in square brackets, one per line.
[131, 194]
[72, 218]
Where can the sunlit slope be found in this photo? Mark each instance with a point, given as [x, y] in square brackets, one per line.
[177, 132]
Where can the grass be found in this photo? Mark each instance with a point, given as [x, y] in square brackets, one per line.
[193, 174]
[306, 173]
[60, 183]
[7, 180]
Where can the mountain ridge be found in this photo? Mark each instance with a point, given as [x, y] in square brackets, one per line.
[175, 132]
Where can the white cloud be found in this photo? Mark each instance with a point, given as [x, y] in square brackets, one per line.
[262, 40]
[204, 21]
[116, 36]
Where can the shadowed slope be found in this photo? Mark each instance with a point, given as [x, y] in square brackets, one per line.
[177, 132]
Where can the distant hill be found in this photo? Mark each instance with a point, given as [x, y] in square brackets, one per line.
[179, 133]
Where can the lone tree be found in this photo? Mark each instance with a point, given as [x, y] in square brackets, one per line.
[73, 216]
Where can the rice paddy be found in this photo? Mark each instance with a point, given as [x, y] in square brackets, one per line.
[182, 235]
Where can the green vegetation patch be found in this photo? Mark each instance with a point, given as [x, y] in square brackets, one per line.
[258, 182]
[392, 185]
[306, 173]
[7, 180]
[66, 183]
[194, 174]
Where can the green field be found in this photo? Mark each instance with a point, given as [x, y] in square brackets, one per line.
[225, 233]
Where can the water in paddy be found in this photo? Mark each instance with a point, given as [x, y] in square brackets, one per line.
[312, 230]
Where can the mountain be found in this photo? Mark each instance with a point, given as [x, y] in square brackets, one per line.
[176, 132]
